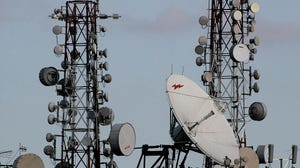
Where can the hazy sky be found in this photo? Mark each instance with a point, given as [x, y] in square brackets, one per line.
[143, 44]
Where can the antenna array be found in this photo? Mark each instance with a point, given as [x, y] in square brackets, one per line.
[227, 53]
[81, 110]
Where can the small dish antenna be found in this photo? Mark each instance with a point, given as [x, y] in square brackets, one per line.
[237, 15]
[58, 50]
[57, 30]
[203, 20]
[248, 158]
[63, 165]
[254, 7]
[49, 76]
[257, 111]
[240, 53]
[202, 40]
[29, 160]
[236, 3]
[122, 139]
[199, 50]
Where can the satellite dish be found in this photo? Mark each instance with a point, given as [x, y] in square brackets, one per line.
[203, 20]
[239, 53]
[57, 30]
[58, 50]
[202, 40]
[235, 29]
[49, 150]
[106, 78]
[200, 61]
[207, 76]
[201, 120]
[65, 64]
[122, 139]
[237, 15]
[199, 50]
[51, 119]
[50, 137]
[236, 3]
[248, 158]
[52, 107]
[258, 111]
[254, 7]
[63, 165]
[29, 160]
[49, 76]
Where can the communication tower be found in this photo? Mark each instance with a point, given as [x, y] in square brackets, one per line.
[214, 123]
[227, 53]
[80, 84]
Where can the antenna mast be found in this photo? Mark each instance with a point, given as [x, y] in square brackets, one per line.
[227, 53]
[80, 111]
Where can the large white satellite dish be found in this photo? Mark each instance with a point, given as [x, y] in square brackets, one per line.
[201, 120]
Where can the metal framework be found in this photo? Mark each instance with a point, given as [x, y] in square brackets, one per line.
[81, 84]
[231, 80]
[165, 156]
[79, 143]
[227, 80]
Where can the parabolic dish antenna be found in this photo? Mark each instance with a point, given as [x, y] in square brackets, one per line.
[122, 139]
[29, 160]
[201, 120]
[240, 53]
[248, 158]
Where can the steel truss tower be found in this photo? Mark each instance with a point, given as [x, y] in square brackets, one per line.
[81, 85]
[81, 110]
[227, 53]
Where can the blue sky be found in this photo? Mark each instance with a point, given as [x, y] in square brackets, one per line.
[142, 45]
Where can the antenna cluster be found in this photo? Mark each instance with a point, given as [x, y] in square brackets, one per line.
[80, 84]
[227, 53]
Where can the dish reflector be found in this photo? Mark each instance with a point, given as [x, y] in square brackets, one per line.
[202, 40]
[199, 50]
[254, 7]
[203, 20]
[236, 3]
[122, 139]
[58, 50]
[237, 15]
[248, 158]
[239, 53]
[57, 29]
[201, 120]
[29, 160]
